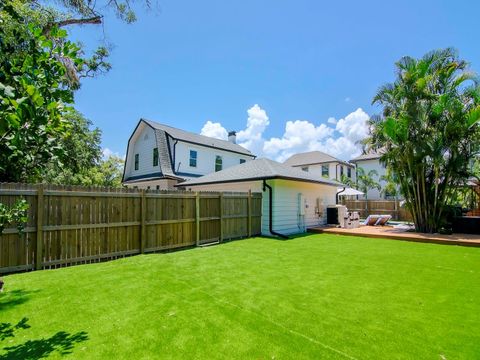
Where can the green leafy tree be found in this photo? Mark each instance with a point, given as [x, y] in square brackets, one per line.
[390, 186]
[429, 131]
[14, 215]
[39, 71]
[81, 152]
[366, 181]
[108, 173]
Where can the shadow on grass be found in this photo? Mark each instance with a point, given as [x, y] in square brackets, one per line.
[13, 298]
[61, 342]
[8, 330]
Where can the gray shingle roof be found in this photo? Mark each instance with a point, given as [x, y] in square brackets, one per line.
[258, 170]
[369, 156]
[311, 157]
[199, 139]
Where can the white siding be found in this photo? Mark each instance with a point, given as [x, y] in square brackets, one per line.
[142, 143]
[163, 184]
[373, 164]
[286, 218]
[316, 170]
[205, 158]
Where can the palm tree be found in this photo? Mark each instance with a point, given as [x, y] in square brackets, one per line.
[366, 181]
[429, 131]
[390, 187]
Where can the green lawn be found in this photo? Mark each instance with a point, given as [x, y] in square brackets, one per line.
[313, 297]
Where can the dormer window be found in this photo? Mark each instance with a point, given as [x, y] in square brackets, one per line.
[242, 161]
[155, 157]
[218, 163]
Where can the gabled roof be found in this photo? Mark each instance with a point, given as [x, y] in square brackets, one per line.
[259, 169]
[198, 139]
[312, 157]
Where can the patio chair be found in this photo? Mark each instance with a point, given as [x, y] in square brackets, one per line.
[371, 220]
[383, 220]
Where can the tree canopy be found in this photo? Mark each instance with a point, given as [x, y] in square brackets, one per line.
[429, 131]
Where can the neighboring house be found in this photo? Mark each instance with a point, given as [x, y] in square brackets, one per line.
[295, 199]
[322, 165]
[160, 156]
[371, 161]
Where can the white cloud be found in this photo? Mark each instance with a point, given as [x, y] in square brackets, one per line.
[299, 136]
[347, 99]
[215, 130]
[338, 138]
[106, 153]
[302, 136]
[354, 125]
[332, 120]
[252, 137]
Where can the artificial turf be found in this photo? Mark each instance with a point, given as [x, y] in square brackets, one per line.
[313, 297]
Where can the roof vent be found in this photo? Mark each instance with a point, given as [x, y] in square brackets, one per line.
[232, 137]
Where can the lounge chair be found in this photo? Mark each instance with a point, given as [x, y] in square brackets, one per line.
[383, 220]
[372, 220]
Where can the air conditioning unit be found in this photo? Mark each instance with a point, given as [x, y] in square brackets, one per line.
[336, 215]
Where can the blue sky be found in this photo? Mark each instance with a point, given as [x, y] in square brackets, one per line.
[302, 62]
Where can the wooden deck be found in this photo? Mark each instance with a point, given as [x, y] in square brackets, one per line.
[390, 232]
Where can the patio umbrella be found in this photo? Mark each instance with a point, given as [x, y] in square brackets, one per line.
[348, 192]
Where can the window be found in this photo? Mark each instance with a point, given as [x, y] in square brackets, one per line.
[242, 161]
[155, 157]
[341, 171]
[158, 187]
[305, 168]
[325, 171]
[136, 161]
[349, 172]
[193, 158]
[218, 163]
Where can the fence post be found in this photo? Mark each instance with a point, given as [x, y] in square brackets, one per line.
[221, 216]
[197, 218]
[249, 210]
[143, 212]
[39, 240]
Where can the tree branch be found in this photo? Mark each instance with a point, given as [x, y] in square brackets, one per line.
[96, 20]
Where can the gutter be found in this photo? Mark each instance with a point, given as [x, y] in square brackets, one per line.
[270, 211]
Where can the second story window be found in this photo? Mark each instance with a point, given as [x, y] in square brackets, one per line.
[341, 171]
[242, 161]
[193, 158]
[136, 161]
[305, 168]
[155, 157]
[325, 171]
[349, 172]
[218, 163]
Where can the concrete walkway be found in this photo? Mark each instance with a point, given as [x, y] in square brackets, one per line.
[394, 233]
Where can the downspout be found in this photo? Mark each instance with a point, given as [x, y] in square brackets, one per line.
[336, 200]
[270, 211]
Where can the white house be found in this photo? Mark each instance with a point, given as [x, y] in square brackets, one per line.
[371, 161]
[322, 165]
[292, 201]
[159, 156]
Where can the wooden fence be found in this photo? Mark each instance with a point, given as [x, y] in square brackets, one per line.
[381, 207]
[73, 225]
